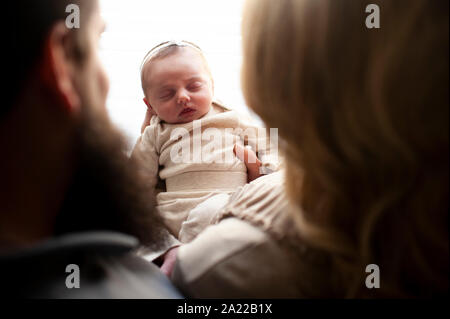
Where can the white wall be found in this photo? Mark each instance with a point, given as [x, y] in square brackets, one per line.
[135, 26]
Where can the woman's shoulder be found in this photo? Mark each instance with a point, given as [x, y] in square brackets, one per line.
[242, 261]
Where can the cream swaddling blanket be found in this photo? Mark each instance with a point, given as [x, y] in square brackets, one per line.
[196, 159]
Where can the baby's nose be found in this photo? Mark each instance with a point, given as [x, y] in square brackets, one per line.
[183, 97]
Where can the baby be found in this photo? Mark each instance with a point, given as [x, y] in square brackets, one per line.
[191, 140]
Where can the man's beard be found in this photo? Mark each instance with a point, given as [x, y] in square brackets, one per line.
[106, 192]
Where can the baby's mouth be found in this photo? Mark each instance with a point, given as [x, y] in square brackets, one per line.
[187, 111]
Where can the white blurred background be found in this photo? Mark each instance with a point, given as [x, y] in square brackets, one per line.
[135, 26]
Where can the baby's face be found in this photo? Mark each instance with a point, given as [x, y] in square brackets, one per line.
[179, 87]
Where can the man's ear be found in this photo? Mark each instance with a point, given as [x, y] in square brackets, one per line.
[57, 68]
[152, 111]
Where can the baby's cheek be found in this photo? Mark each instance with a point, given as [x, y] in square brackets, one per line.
[206, 99]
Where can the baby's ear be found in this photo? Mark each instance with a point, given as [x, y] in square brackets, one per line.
[146, 102]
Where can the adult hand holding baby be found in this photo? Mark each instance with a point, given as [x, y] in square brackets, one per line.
[169, 260]
[148, 116]
[248, 156]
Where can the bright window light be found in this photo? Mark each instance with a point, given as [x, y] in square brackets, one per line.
[135, 26]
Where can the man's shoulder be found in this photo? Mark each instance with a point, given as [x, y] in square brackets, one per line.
[86, 265]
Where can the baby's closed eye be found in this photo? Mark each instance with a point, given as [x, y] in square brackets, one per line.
[166, 94]
[195, 86]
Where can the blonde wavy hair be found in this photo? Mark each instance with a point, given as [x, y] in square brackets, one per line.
[364, 113]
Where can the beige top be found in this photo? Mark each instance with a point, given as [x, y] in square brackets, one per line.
[254, 250]
[196, 159]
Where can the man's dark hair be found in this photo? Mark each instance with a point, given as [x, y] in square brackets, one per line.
[27, 24]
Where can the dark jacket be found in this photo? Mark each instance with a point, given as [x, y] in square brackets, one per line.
[101, 264]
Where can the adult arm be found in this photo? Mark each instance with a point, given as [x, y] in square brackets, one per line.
[148, 117]
[234, 259]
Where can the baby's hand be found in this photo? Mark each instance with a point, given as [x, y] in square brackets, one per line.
[250, 159]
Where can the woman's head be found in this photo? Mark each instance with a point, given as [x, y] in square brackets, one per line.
[177, 82]
[365, 115]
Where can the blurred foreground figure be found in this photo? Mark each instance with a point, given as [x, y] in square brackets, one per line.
[364, 114]
[71, 209]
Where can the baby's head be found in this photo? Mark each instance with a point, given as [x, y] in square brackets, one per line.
[177, 82]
